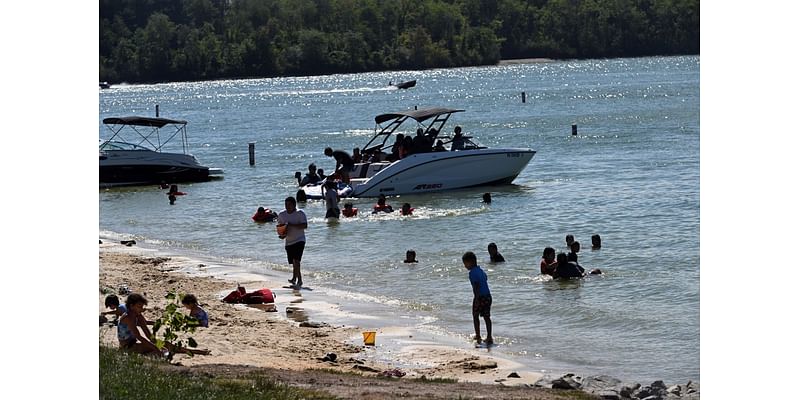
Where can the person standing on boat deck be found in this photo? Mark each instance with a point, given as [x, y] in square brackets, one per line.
[439, 146]
[458, 139]
[419, 142]
[357, 155]
[398, 143]
[344, 163]
[430, 137]
[296, 224]
[331, 200]
[407, 148]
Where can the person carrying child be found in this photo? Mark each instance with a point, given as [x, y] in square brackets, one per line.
[482, 297]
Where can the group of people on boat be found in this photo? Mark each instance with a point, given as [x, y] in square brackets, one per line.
[404, 146]
[424, 142]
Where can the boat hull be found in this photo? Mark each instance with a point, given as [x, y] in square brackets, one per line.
[138, 167]
[439, 171]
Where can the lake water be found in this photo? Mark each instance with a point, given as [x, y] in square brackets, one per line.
[631, 175]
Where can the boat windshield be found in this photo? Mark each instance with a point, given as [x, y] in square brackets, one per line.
[111, 145]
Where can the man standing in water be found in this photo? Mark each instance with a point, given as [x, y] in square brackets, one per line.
[296, 223]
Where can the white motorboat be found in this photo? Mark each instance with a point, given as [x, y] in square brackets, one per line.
[125, 163]
[428, 170]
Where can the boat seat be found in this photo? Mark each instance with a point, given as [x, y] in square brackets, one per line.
[374, 168]
[360, 170]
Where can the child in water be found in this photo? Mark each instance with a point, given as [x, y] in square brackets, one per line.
[349, 211]
[382, 206]
[549, 263]
[190, 302]
[264, 215]
[406, 209]
[411, 257]
[482, 297]
[495, 256]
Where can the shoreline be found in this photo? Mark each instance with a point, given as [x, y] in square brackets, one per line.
[397, 347]
[248, 336]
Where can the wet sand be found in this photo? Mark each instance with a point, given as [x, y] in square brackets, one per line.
[246, 335]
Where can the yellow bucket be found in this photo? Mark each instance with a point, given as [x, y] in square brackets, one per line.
[369, 338]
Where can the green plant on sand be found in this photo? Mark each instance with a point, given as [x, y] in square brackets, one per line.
[176, 325]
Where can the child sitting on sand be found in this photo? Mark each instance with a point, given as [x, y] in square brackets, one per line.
[112, 302]
[190, 302]
[128, 334]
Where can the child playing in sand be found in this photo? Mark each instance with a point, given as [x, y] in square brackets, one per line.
[190, 302]
[482, 297]
[112, 302]
[130, 338]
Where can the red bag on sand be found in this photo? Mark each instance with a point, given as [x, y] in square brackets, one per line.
[235, 296]
[259, 296]
[266, 294]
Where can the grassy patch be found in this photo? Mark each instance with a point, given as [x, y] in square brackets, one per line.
[129, 376]
[435, 380]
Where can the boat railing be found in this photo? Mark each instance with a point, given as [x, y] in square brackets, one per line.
[150, 140]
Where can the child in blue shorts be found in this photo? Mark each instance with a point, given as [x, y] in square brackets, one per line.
[482, 300]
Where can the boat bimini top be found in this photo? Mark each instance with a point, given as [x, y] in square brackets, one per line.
[440, 116]
[150, 140]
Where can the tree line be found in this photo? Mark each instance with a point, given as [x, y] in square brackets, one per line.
[185, 40]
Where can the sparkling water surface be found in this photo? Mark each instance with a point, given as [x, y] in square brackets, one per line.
[631, 175]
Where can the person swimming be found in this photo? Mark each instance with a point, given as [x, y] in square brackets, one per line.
[264, 215]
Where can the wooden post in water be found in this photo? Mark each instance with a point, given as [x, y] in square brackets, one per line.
[156, 110]
[251, 147]
[523, 97]
[574, 129]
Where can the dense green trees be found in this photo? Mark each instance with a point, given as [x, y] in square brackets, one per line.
[171, 40]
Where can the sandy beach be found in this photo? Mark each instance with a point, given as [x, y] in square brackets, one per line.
[242, 337]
